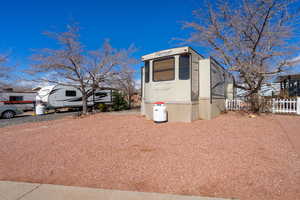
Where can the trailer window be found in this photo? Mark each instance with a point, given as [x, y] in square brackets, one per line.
[184, 67]
[147, 74]
[70, 93]
[101, 94]
[15, 98]
[164, 70]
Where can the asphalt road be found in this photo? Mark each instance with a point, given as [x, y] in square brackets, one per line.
[28, 117]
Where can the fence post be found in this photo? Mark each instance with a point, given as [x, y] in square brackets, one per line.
[298, 105]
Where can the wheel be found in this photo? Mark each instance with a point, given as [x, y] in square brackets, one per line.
[8, 114]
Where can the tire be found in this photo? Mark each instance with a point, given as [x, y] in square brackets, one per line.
[8, 114]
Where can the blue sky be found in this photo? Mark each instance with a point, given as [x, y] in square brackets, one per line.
[150, 25]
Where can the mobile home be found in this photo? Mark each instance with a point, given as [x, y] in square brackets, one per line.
[191, 86]
[60, 96]
[289, 85]
[23, 100]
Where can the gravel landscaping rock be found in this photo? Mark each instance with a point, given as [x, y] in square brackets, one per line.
[230, 156]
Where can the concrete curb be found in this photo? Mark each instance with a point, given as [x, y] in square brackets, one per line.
[31, 191]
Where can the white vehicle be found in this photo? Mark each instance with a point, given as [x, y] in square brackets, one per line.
[60, 96]
[22, 100]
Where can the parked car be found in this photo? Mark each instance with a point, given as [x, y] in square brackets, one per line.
[9, 111]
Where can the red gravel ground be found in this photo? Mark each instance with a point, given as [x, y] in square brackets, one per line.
[230, 156]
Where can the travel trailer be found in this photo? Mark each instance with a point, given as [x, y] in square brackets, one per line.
[60, 96]
[192, 87]
[23, 100]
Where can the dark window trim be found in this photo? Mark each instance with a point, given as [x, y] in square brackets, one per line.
[190, 66]
[147, 71]
[161, 59]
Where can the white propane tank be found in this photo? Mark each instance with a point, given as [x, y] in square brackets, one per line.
[159, 112]
[39, 109]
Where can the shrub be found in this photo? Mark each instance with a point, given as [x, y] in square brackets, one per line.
[119, 102]
[102, 107]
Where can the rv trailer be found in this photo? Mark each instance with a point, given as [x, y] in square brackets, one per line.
[23, 100]
[192, 87]
[60, 96]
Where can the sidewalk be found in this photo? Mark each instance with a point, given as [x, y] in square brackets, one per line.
[29, 191]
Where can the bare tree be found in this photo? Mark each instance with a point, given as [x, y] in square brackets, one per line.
[125, 82]
[4, 71]
[108, 66]
[124, 79]
[74, 66]
[250, 37]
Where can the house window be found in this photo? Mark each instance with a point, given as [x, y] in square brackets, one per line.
[147, 73]
[164, 70]
[70, 93]
[184, 67]
[15, 98]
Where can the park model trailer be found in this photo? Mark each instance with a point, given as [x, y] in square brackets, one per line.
[60, 96]
[191, 86]
[23, 100]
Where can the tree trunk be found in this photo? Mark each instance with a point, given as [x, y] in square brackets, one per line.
[254, 102]
[84, 103]
[129, 100]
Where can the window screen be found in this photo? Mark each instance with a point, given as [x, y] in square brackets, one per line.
[147, 71]
[15, 98]
[164, 70]
[70, 93]
[184, 67]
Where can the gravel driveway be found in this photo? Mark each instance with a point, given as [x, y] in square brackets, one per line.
[230, 156]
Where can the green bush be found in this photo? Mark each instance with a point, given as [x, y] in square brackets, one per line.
[119, 102]
[102, 107]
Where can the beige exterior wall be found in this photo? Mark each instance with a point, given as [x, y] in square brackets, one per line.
[204, 79]
[217, 106]
[177, 112]
[204, 108]
[167, 91]
[189, 112]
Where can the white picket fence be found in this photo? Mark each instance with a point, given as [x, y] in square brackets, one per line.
[236, 104]
[284, 105]
[277, 105]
